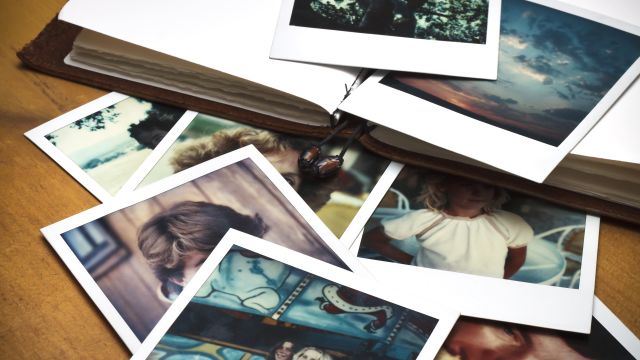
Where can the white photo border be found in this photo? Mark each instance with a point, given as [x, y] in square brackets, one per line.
[161, 149]
[616, 327]
[369, 206]
[446, 317]
[504, 300]
[526, 157]
[388, 52]
[37, 136]
[53, 232]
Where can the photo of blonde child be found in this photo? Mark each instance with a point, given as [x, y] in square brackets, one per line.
[461, 228]
[462, 225]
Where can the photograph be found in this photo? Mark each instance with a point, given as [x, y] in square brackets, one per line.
[464, 232]
[434, 37]
[105, 141]
[335, 199]
[609, 338]
[442, 20]
[134, 255]
[257, 300]
[446, 222]
[561, 68]
[554, 69]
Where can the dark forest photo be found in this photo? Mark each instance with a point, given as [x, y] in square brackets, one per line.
[444, 20]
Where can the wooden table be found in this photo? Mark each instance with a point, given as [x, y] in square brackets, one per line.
[44, 313]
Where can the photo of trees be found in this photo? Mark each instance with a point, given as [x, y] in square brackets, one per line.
[110, 144]
[443, 20]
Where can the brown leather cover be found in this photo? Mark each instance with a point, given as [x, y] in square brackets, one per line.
[48, 50]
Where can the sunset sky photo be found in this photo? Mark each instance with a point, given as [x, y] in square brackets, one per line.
[553, 69]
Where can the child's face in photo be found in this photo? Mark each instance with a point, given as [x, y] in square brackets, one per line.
[286, 162]
[285, 351]
[468, 195]
[471, 340]
[192, 263]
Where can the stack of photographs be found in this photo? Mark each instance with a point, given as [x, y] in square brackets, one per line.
[211, 243]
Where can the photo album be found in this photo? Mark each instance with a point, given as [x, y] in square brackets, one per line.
[550, 52]
[146, 57]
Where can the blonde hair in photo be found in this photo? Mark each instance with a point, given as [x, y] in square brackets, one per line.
[225, 141]
[434, 196]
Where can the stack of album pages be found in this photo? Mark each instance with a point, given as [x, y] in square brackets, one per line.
[221, 236]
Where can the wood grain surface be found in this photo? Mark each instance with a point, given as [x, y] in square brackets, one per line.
[44, 313]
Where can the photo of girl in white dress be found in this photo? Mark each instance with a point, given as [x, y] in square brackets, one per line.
[461, 228]
[453, 223]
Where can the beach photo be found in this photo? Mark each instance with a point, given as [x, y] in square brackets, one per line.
[257, 300]
[554, 69]
[105, 141]
[442, 20]
[135, 254]
[335, 199]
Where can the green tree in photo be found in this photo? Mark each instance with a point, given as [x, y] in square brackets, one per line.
[464, 21]
[446, 20]
[97, 121]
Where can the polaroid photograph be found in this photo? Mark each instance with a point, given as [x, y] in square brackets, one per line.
[561, 68]
[256, 300]
[609, 338]
[471, 240]
[102, 143]
[435, 37]
[134, 254]
[335, 199]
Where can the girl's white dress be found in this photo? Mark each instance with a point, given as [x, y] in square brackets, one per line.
[470, 245]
